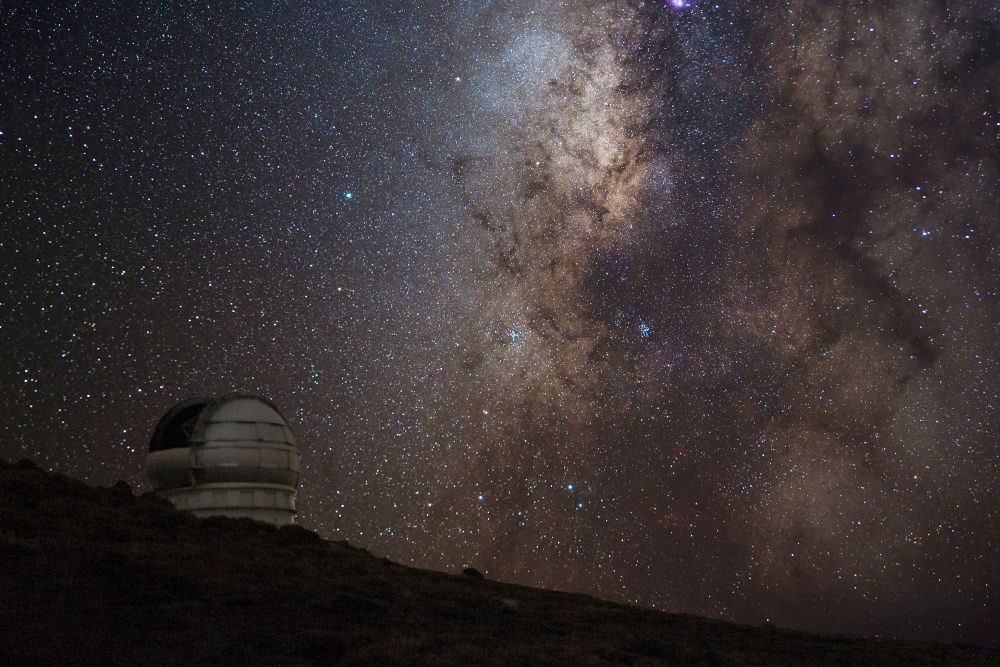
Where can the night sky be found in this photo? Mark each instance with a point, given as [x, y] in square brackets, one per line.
[692, 305]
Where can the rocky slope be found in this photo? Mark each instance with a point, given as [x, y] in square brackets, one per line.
[98, 575]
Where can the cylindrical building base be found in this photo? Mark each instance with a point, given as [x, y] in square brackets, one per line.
[270, 503]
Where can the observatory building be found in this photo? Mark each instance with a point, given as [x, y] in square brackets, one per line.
[228, 456]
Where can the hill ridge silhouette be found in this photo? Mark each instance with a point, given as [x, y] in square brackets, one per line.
[99, 575]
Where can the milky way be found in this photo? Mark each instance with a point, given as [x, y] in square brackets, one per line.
[692, 305]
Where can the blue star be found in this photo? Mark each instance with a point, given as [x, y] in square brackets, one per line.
[348, 195]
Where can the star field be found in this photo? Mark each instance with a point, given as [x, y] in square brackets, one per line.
[688, 304]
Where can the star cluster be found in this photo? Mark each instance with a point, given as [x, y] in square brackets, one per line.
[692, 305]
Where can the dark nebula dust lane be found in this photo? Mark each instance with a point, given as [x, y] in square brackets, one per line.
[687, 304]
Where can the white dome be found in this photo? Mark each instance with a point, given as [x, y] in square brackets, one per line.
[230, 456]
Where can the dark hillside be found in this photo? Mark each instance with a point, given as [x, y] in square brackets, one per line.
[97, 575]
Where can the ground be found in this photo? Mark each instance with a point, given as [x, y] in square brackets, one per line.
[94, 575]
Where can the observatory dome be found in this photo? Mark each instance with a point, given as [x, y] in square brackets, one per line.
[228, 456]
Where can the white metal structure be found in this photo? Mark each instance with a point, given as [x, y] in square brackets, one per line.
[229, 456]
